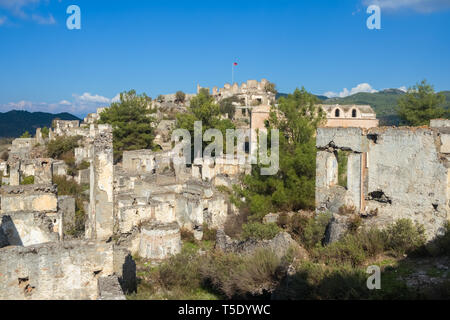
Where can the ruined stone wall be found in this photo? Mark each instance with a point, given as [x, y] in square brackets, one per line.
[60, 271]
[160, 241]
[21, 148]
[29, 214]
[140, 161]
[348, 123]
[66, 206]
[100, 224]
[392, 173]
[34, 198]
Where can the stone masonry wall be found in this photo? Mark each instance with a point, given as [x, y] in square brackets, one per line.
[392, 173]
[59, 271]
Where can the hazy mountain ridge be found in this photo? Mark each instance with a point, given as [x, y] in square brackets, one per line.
[14, 123]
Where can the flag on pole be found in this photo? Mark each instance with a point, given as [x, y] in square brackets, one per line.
[232, 72]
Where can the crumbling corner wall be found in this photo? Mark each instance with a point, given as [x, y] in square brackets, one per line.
[392, 173]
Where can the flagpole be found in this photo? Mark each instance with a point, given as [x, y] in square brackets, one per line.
[232, 74]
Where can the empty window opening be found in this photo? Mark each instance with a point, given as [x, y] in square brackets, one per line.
[380, 196]
[337, 113]
[373, 137]
[342, 159]
[354, 113]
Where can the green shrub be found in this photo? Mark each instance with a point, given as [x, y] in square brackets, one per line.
[355, 222]
[283, 220]
[372, 241]
[67, 187]
[45, 132]
[182, 270]
[27, 180]
[237, 276]
[260, 231]
[258, 274]
[62, 145]
[180, 97]
[218, 271]
[441, 245]
[314, 230]
[25, 135]
[347, 251]
[404, 237]
[71, 188]
[187, 235]
[209, 234]
[83, 165]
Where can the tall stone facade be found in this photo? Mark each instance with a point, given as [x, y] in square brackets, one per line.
[392, 173]
[100, 224]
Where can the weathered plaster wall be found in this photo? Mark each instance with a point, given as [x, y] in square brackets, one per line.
[30, 228]
[31, 198]
[100, 223]
[393, 173]
[160, 241]
[59, 271]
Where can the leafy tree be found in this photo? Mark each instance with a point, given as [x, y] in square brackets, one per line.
[227, 107]
[271, 87]
[27, 180]
[62, 146]
[45, 132]
[132, 121]
[260, 231]
[180, 97]
[293, 187]
[421, 104]
[26, 134]
[203, 108]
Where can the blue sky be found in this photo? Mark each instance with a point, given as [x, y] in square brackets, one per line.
[159, 47]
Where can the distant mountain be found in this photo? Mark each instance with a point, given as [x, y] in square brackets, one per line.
[284, 95]
[14, 123]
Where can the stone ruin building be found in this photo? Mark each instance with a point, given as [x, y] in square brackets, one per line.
[252, 92]
[350, 116]
[136, 208]
[392, 173]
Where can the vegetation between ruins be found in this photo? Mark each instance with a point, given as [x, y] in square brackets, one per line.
[337, 271]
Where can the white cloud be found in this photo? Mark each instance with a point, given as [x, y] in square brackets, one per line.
[65, 103]
[80, 105]
[43, 20]
[89, 98]
[27, 10]
[362, 87]
[116, 98]
[422, 6]
[16, 7]
[403, 88]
